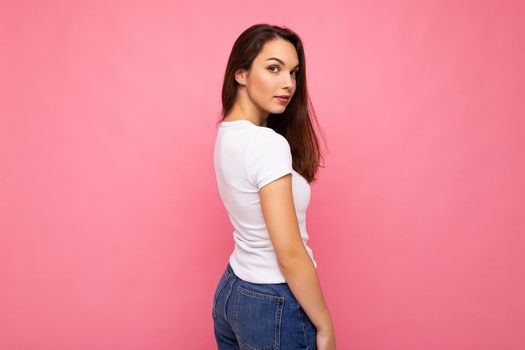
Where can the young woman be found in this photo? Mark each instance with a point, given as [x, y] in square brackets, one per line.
[266, 155]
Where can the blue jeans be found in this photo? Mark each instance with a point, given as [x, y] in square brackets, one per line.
[252, 316]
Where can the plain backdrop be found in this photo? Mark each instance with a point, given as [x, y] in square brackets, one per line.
[112, 232]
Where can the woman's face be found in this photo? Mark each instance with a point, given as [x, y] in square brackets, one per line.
[273, 73]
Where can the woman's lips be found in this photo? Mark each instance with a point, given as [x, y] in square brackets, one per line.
[282, 99]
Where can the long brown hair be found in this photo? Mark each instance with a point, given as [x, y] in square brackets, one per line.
[295, 123]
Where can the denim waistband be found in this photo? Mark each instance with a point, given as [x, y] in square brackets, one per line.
[280, 289]
[231, 273]
[230, 270]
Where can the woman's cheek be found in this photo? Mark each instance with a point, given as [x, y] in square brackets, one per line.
[266, 83]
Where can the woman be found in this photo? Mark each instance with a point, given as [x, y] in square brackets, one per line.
[266, 155]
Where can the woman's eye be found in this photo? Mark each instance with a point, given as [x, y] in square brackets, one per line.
[294, 73]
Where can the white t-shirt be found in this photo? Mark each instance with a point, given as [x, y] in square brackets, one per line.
[247, 157]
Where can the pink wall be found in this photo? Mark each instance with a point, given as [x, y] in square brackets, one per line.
[112, 233]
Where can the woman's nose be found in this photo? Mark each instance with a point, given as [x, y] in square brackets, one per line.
[288, 81]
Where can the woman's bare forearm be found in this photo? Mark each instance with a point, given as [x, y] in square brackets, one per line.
[301, 276]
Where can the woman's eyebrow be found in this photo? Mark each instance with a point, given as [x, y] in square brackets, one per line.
[280, 61]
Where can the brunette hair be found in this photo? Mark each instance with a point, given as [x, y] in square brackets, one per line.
[295, 123]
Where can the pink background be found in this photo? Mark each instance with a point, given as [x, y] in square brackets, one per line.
[112, 232]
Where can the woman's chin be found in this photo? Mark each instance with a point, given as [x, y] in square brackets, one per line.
[278, 110]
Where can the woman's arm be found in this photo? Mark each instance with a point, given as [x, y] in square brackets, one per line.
[301, 275]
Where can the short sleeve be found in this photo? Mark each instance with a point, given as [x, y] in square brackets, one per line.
[268, 159]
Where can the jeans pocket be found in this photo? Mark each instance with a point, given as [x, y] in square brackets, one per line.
[257, 319]
[218, 289]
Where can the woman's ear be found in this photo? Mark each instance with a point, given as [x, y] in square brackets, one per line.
[240, 76]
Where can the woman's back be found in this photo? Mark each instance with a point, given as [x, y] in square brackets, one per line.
[246, 158]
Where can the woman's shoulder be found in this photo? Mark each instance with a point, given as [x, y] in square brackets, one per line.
[264, 137]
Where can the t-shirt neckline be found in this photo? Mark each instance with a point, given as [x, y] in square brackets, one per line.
[231, 122]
